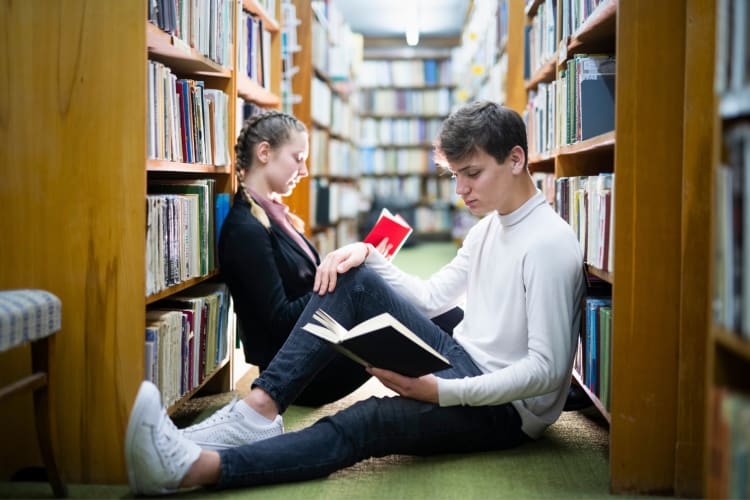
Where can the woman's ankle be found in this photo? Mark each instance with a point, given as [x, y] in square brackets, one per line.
[260, 401]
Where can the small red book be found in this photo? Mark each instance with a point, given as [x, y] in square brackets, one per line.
[393, 227]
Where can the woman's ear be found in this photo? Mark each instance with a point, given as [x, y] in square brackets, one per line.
[263, 152]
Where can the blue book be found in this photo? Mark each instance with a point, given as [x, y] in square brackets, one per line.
[592, 341]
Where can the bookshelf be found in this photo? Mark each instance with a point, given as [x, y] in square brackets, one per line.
[402, 103]
[488, 64]
[659, 297]
[324, 64]
[78, 227]
[726, 141]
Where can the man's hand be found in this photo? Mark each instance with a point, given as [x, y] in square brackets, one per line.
[424, 388]
[384, 247]
[338, 262]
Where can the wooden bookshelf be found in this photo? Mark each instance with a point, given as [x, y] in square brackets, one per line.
[79, 116]
[727, 346]
[311, 61]
[661, 204]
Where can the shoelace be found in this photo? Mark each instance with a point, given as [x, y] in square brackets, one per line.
[220, 416]
[168, 441]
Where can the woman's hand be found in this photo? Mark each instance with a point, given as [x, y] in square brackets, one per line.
[424, 388]
[338, 262]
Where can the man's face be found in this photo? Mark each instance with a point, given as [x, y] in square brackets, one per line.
[483, 183]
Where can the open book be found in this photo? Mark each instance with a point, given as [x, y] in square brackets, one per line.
[393, 227]
[381, 342]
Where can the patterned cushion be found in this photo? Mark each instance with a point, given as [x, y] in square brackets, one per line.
[27, 315]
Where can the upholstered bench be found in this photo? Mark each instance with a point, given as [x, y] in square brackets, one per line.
[32, 316]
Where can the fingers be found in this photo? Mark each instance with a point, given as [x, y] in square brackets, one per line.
[383, 246]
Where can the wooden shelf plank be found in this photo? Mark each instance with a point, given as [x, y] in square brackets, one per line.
[179, 56]
[594, 399]
[251, 91]
[186, 397]
[598, 143]
[174, 166]
[546, 73]
[180, 287]
[607, 276]
[735, 104]
[403, 115]
[733, 342]
[599, 25]
[270, 23]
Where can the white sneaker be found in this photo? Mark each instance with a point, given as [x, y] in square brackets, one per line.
[156, 453]
[229, 427]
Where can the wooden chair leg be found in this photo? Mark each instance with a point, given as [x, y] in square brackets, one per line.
[39, 361]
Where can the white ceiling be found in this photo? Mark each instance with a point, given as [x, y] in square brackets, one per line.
[388, 18]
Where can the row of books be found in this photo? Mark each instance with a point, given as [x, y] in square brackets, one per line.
[729, 443]
[731, 296]
[398, 131]
[289, 47]
[254, 53]
[187, 337]
[187, 122]
[326, 238]
[410, 189]
[321, 98]
[344, 119]
[406, 101]
[587, 204]
[733, 52]
[593, 359]
[332, 157]
[540, 42]
[332, 201]
[415, 160]
[405, 73]
[482, 42]
[183, 220]
[433, 219]
[205, 25]
[577, 106]
[574, 13]
[335, 50]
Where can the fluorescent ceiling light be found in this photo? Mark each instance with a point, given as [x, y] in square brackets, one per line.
[412, 23]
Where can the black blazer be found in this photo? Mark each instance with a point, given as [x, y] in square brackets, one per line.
[269, 276]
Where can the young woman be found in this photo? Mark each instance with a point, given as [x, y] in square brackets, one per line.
[266, 260]
[521, 268]
[264, 257]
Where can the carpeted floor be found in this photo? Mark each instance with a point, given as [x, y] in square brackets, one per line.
[570, 461]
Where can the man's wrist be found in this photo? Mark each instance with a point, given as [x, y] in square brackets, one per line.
[367, 250]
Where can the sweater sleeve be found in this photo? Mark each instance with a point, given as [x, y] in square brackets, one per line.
[433, 296]
[553, 281]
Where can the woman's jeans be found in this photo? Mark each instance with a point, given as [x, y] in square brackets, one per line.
[372, 428]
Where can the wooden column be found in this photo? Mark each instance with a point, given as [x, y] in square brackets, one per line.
[72, 129]
[648, 221]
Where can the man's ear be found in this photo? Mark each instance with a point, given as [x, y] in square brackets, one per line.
[263, 152]
[518, 159]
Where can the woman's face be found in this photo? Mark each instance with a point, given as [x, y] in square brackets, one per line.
[286, 164]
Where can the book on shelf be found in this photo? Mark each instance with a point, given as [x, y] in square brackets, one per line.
[595, 96]
[391, 226]
[382, 342]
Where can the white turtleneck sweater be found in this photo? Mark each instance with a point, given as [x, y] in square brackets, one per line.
[522, 278]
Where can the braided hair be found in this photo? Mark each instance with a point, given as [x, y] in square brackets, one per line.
[272, 127]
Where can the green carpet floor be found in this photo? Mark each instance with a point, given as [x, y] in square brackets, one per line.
[570, 461]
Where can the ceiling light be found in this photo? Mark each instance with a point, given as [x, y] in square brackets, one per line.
[412, 23]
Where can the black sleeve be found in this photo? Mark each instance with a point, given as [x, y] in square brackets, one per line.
[249, 267]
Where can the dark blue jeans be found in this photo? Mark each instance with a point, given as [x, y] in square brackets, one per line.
[372, 428]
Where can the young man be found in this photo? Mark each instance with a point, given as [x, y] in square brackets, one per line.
[521, 272]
